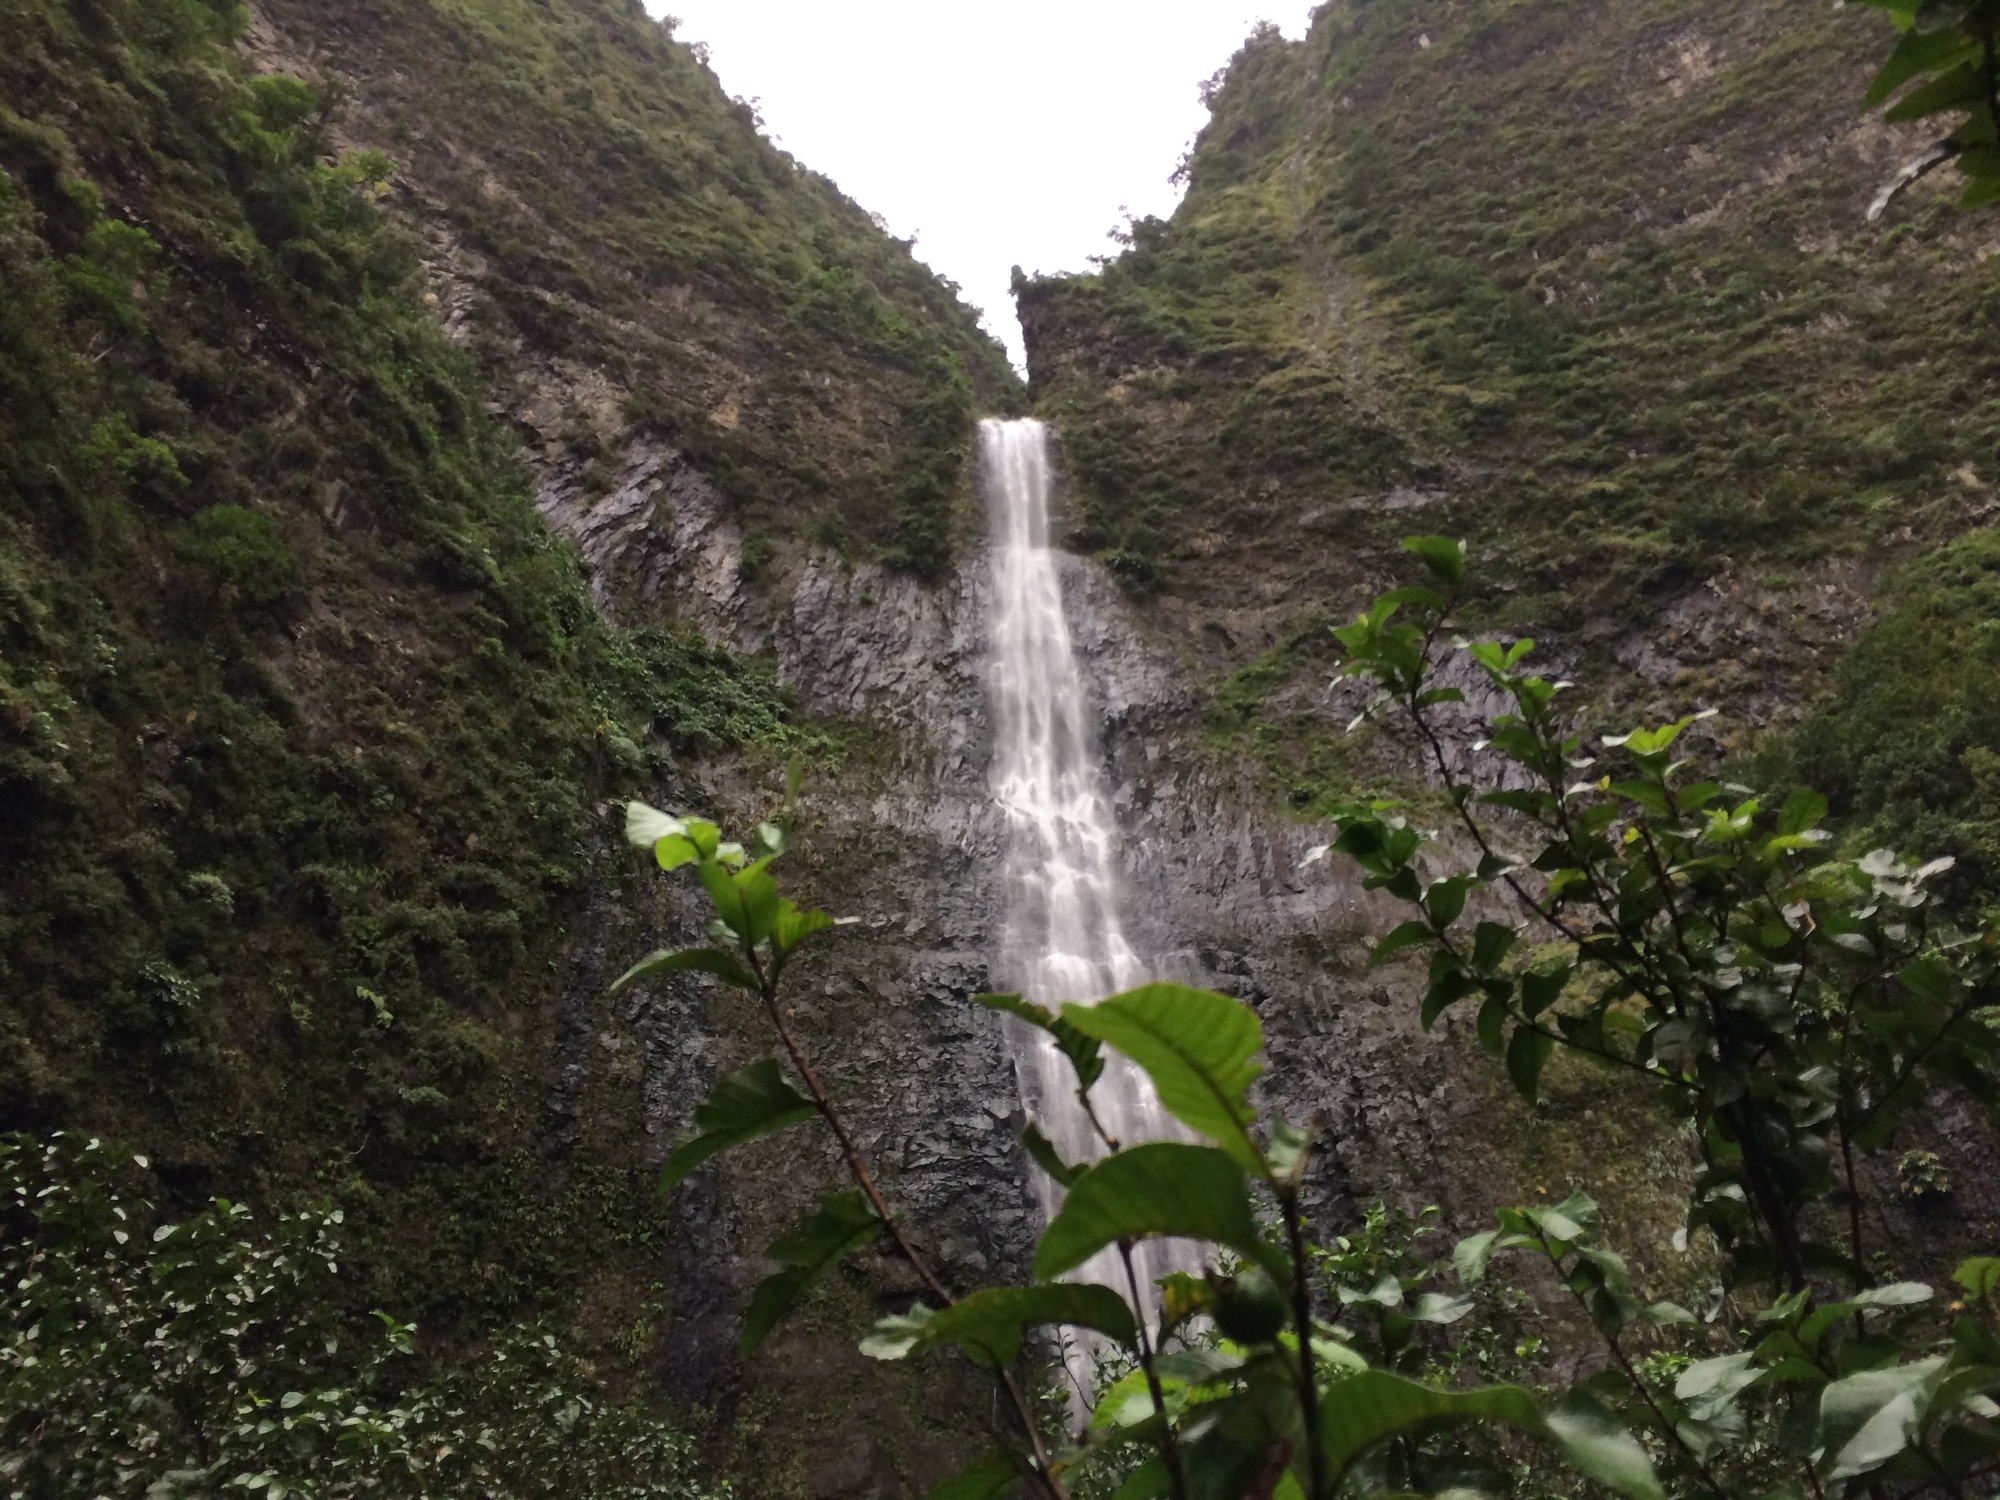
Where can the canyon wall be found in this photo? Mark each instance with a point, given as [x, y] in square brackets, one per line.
[391, 527]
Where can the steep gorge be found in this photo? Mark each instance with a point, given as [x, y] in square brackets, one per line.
[309, 847]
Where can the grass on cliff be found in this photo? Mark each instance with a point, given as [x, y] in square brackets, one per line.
[1906, 742]
[302, 710]
[1563, 298]
[635, 219]
[1597, 282]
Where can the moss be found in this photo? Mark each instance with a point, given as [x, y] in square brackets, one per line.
[241, 551]
[634, 219]
[302, 710]
[1903, 742]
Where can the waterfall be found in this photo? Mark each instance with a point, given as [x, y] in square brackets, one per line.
[1063, 937]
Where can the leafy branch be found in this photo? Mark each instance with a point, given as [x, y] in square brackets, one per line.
[1276, 1406]
[1947, 63]
[754, 937]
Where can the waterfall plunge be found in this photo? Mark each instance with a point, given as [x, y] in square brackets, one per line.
[1063, 937]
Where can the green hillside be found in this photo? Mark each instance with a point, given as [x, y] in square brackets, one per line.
[625, 215]
[1593, 286]
[305, 718]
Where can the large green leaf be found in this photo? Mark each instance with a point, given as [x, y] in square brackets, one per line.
[1405, 935]
[844, 1223]
[792, 927]
[1710, 1386]
[1527, 1054]
[746, 900]
[1919, 52]
[1366, 1409]
[1082, 1051]
[992, 1478]
[1473, 1254]
[1980, 1276]
[1161, 1188]
[723, 966]
[743, 1107]
[1043, 1151]
[1870, 1417]
[987, 1325]
[1372, 1406]
[1599, 1444]
[1442, 555]
[1231, 1450]
[1959, 87]
[1898, 1294]
[1149, 1481]
[646, 826]
[1200, 1050]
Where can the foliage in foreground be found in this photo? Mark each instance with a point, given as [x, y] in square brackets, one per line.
[140, 1356]
[1947, 62]
[1789, 1004]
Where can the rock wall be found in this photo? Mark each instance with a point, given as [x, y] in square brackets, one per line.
[902, 832]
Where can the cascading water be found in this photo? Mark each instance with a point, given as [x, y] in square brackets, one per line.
[1064, 940]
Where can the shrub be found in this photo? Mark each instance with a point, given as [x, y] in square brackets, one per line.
[1789, 1005]
[144, 1355]
[240, 552]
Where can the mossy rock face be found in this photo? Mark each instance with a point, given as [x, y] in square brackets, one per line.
[305, 718]
[1591, 286]
[624, 251]
[312, 739]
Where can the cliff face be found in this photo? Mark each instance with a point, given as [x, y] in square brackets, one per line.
[1594, 287]
[1245, 439]
[312, 729]
[628, 258]
[906, 836]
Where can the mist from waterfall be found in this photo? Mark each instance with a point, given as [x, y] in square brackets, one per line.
[1063, 938]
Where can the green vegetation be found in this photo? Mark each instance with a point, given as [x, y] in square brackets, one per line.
[147, 1354]
[628, 216]
[1788, 1006]
[303, 713]
[1593, 285]
[1946, 64]
[1904, 743]
[302, 710]
[1469, 251]
[1300, 767]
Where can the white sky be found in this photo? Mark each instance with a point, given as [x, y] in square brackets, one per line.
[997, 134]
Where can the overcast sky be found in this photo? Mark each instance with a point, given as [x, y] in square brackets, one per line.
[997, 134]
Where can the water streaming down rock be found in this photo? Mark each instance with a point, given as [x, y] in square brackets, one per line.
[1063, 937]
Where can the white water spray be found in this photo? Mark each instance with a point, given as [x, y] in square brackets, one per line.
[1064, 940]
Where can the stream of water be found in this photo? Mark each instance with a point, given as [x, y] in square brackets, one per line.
[1063, 939]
